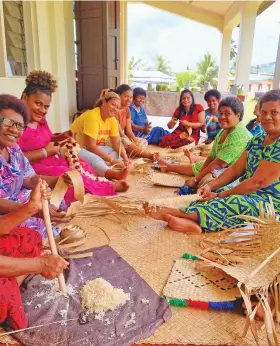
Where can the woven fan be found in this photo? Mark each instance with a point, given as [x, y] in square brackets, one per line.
[188, 281]
[166, 179]
[254, 260]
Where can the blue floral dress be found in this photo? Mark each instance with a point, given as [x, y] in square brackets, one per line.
[217, 212]
[12, 176]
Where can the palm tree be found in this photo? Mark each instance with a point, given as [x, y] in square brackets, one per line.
[233, 50]
[138, 64]
[207, 71]
[162, 64]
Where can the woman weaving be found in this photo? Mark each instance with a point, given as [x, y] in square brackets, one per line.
[258, 173]
[41, 147]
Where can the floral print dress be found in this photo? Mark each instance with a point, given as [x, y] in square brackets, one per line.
[12, 175]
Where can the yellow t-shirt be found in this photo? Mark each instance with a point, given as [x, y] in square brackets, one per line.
[91, 124]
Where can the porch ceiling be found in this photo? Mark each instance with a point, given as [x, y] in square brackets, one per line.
[214, 13]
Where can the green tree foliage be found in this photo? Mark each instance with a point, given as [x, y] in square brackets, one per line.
[162, 64]
[207, 71]
[137, 64]
[183, 77]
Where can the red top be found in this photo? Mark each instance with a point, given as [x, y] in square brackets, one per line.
[198, 108]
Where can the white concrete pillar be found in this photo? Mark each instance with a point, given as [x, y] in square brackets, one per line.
[276, 79]
[224, 62]
[246, 41]
[123, 42]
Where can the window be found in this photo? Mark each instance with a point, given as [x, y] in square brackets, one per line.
[259, 87]
[15, 38]
[268, 87]
[250, 87]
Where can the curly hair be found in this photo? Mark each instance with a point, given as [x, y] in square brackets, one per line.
[40, 81]
[139, 92]
[182, 110]
[212, 92]
[234, 104]
[272, 95]
[12, 102]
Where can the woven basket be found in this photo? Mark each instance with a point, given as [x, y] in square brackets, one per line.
[254, 260]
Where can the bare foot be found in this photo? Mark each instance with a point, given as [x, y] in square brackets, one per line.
[179, 224]
[163, 165]
[156, 214]
[188, 154]
[121, 186]
[117, 175]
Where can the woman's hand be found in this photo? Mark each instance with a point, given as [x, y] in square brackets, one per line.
[172, 123]
[52, 149]
[210, 196]
[185, 123]
[191, 182]
[215, 119]
[69, 134]
[38, 195]
[52, 266]
[204, 191]
[148, 128]
[58, 215]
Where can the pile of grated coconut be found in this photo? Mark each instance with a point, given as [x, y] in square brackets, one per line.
[100, 296]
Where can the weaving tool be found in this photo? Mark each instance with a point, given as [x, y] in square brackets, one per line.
[47, 219]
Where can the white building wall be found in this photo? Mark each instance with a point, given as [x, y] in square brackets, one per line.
[50, 47]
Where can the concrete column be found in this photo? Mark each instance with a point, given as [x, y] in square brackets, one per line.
[246, 41]
[276, 79]
[56, 55]
[224, 62]
[123, 42]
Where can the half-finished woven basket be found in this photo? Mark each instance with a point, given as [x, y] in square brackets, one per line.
[254, 260]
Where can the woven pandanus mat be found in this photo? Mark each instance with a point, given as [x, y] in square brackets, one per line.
[151, 248]
[188, 281]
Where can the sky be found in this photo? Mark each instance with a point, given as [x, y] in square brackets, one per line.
[184, 42]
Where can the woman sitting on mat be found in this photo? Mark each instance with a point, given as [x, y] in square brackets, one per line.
[212, 126]
[191, 117]
[132, 144]
[258, 171]
[21, 255]
[228, 145]
[139, 122]
[93, 129]
[254, 126]
[17, 177]
[39, 144]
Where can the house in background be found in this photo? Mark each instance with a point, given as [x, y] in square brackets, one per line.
[143, 78]
[258, 84]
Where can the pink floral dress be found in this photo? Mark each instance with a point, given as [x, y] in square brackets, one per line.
[34, 139]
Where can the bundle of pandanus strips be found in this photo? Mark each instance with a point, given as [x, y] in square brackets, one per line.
[252, 256]
[127, 204]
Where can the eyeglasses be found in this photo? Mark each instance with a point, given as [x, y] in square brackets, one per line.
[273, 113]
[10, 123]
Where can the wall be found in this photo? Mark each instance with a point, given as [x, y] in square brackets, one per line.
[255, 87]
[50, 47]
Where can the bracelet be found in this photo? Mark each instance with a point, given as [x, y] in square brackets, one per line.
[44, 152]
